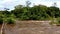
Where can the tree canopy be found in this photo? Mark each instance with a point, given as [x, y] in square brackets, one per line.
[37, 12]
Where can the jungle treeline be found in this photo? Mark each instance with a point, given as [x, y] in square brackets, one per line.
[37, 12]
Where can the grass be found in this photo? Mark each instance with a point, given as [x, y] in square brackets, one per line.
[55, 21]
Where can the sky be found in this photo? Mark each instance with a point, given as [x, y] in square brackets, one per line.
[12, 3]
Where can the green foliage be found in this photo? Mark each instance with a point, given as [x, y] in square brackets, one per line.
[4, 15]
[1, 20]
[10, 21]
[55, 21]
[58, 20]
[39, 12]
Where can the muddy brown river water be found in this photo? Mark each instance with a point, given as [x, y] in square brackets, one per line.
[32, 27]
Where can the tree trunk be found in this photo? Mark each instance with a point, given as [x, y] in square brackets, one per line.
[2, 28]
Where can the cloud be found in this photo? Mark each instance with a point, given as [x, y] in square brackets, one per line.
[11, 3]
[46, 2]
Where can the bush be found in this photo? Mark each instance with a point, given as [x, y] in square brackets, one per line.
[10, 21]
[58, 20]
[1, 20]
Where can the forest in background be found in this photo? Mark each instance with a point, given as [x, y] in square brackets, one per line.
[37, 12]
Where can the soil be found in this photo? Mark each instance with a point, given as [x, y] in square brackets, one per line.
[32, 27]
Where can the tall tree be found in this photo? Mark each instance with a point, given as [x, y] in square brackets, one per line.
[28, 3]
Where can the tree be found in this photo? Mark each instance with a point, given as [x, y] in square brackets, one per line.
[54, 4]
[18, 6]
[28, 3]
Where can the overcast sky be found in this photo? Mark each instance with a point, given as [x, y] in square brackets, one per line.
[11, 3]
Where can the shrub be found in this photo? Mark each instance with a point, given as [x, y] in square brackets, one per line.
[1, 20]
[10, 21]
[58, 20]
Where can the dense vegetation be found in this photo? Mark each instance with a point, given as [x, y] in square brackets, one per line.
[37, 12]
